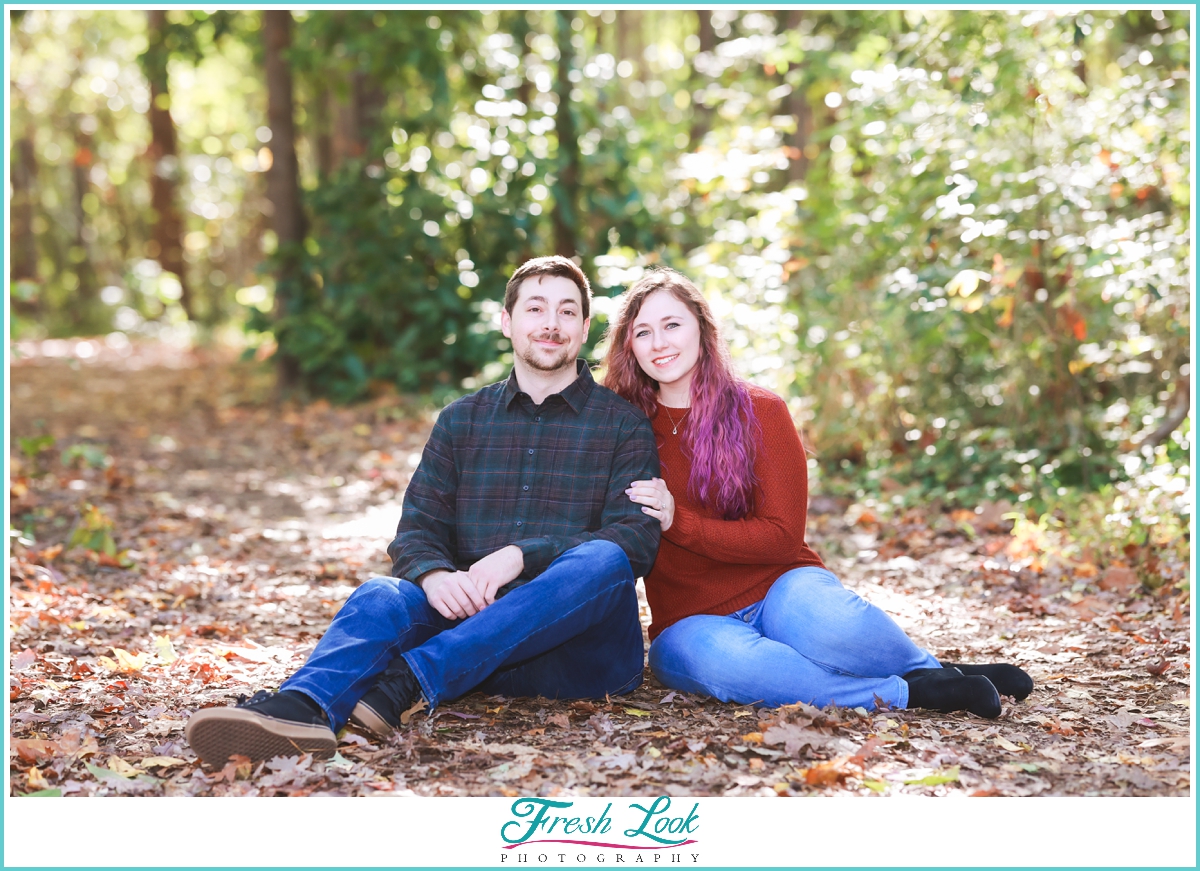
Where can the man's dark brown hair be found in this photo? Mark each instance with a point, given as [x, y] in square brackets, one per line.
[552, 265]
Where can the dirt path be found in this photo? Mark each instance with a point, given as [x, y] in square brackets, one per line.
[237, 531]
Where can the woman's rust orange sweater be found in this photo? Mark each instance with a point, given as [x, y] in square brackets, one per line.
[706, 565]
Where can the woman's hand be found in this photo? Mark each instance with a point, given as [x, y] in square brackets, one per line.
[655, 499]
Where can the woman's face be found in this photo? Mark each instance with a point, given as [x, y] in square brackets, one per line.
[666, 341]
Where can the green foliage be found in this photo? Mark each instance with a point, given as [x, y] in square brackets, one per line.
[93, 531]
[33, 446]
[92, 456]
[959, 242]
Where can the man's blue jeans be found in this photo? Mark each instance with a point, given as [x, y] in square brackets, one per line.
[572, 632]
[808, 640]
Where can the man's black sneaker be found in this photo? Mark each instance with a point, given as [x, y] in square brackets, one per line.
[381, 710]
[1009, 680]
[262, 727]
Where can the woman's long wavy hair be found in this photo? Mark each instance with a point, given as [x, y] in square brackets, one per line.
[724, 433]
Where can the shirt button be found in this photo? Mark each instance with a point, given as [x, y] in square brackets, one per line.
[539, 417]
[526, 487]
[531, 450]
[518, 523]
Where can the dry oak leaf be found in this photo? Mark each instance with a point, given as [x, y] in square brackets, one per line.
[34, 749]
[795, 738]
[160, 762]
[125, 661]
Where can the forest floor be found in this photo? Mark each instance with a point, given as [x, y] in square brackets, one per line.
[177, 540]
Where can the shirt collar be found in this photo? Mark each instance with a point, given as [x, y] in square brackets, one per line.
[575, 394]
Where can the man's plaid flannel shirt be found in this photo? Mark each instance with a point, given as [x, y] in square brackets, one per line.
[499, 470]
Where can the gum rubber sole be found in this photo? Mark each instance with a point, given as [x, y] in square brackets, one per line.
[365, 716]
[218, 733]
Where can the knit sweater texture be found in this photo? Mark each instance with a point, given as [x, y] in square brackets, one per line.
[707, 565]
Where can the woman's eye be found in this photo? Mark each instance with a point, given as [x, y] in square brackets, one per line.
[641, 334]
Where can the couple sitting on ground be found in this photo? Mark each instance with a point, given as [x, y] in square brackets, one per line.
[537, 504]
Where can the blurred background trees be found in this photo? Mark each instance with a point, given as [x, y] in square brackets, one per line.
[957, 241]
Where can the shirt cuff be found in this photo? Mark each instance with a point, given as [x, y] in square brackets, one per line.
[538, 553]
[685, 528]
[422, 567]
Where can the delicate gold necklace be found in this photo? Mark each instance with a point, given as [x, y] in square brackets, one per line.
[674, 425]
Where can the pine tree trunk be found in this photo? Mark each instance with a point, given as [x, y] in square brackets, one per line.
[566, 187]
[796, 105]
[23, 242]
[87, 291]
[163, 154]
[283, 178]
[701, 114]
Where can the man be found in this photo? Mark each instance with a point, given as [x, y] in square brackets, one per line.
[514, 561]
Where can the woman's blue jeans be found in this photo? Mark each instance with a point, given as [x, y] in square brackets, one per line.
[808, 640]
[572, 632]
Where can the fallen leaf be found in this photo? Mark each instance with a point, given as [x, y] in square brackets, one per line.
[125, 661]
[36, 780]
[123, 768]
[825, 774]
[34, 749]
[415, 709]
[161, 762]
[1005, 744]
[340, 761]
[23, 660]
[1120, 579]
[164, 649]
[950, 775]
[637, 712]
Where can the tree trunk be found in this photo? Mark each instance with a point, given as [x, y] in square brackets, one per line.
[631, 44]
[23, 242]
[164, 157]
[701, 114]
[283, 178]
[1176, 415]
[566, 186]
[796, 105]
[321, 130]
[346, 141]
[85, 272]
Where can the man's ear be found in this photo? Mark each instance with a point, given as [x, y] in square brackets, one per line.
[587, 327]
[506, 323]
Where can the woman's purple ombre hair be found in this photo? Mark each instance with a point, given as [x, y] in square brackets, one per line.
[723, 434]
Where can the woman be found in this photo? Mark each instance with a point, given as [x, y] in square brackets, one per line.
[743, 609]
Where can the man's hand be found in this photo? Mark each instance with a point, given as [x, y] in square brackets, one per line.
[454, 595]
[497, 569]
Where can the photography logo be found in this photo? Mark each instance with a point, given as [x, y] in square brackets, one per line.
[545, 831]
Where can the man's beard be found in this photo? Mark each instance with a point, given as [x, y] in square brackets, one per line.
[555, 363]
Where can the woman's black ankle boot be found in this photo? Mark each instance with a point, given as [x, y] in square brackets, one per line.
[1009, 680]
[947, 689]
